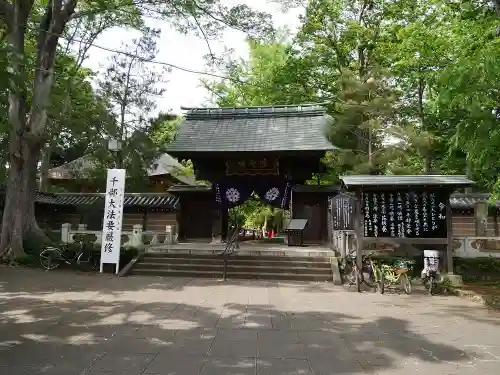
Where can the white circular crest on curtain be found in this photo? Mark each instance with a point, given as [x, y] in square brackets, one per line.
[272, 194]
[232, 195]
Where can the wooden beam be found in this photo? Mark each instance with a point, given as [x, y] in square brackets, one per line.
[449, 239]
[406, 241]
[358, 228]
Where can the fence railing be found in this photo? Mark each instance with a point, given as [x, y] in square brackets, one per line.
[137, 237]
[463, 246]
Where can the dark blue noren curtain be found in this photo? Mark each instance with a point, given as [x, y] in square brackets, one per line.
[232, 192]
[275, 193]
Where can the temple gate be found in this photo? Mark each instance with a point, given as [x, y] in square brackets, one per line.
[269, 151]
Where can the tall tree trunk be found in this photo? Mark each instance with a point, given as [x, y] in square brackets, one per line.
[31, 227]
[427, 152]
[43, 183]
[27, 133]
[19, 211]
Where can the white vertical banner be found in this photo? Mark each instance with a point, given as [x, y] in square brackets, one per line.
[112, 220]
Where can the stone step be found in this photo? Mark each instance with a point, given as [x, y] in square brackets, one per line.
[233, 268]
[239, 257]
[243, 251]
[235, 275]
[235, 260]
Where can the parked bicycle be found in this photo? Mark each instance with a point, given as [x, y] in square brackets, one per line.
[52, 257]
[398, 274]
[430, 273]
[369, 274]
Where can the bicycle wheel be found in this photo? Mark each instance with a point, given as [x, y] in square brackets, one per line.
[406, 283]
[368, 277]
[87, 258]
[358, 279]
[430, 287]
[380, 281]
[350, 274]
[50, 258]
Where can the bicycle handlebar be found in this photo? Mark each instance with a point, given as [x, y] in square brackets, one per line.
[363, 256]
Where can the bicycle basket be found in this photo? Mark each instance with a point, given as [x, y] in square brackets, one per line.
[401, 264]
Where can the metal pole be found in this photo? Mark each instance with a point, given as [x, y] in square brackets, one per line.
[119, 160]
[224, 275]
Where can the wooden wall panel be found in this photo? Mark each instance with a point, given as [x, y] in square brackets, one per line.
[130, 219]
[157, 221]
[492, 225]
[463, 225]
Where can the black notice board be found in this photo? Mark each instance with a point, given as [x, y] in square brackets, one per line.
[405, 213]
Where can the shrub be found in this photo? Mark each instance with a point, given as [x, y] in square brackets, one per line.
[34, 244]
[28, 260]
[484, 268]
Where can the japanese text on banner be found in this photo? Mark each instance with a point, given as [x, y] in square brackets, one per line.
[113, 213]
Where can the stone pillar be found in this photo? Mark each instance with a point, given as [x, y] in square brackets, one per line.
[66, 233]
[169, 238]
[343, 244]
[136, 239]
[481, 218]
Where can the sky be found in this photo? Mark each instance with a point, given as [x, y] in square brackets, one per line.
[187, 51]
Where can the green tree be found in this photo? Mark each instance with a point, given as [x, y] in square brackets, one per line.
[251, 81]
[131, 87]
[32, 82]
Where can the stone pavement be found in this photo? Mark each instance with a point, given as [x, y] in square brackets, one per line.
[63, 323]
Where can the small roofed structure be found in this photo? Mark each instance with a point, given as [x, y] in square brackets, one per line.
[404, 209]
[363, 181]
[151, 210]
[163, 172]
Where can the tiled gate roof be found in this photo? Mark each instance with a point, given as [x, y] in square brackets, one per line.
[253, 129]
[153, 200]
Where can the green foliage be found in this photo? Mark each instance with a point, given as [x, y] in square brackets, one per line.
[478, 268]
[412, 86]
[163, 128]
[253, 214]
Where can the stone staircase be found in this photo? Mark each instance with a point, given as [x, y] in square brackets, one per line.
[271, 267]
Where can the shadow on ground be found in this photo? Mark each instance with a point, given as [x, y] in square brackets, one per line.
[60, 323]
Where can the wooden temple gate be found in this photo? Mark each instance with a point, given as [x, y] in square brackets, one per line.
[268, 151]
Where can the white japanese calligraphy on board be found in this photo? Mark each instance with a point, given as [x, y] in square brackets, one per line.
[112, 221]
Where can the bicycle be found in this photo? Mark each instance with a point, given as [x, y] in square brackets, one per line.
[398, 273]
[356, 277]
[52, 257]
[430, 274]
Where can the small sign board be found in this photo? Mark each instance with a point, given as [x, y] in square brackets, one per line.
[296, 224]
[112, 221]
[252, 167]
[295, 232]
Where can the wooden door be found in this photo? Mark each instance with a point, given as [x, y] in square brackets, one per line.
[196, 220]
[313, 230]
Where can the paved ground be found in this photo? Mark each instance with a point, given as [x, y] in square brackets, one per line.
[60, 323]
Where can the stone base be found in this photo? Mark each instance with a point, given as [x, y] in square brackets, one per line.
[336, 275]
[454, 279]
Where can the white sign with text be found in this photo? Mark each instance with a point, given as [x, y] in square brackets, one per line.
[112, 221]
